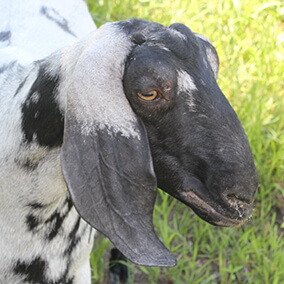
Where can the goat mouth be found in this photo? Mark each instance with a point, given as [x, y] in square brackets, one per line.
[208, 213]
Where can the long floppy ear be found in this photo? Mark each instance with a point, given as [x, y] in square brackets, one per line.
[106, 160]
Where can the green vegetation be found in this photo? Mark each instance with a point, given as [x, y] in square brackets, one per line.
[249, 38]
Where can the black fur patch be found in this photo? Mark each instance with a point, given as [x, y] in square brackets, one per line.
[34, 272]
[30, 165]
[53, 223]
[177, 38]
[56, 219]
[32, 222]
[54, 16]
[36, 205]
[4, 36]
[42, 119]
[20, 86]
[73, 239]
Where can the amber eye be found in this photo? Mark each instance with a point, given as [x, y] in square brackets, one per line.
[148, 96]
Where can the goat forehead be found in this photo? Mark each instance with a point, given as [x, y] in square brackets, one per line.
[152, 61]
[182, 42]
[165, 35]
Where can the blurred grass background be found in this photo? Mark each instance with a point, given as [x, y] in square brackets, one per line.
[249, 38]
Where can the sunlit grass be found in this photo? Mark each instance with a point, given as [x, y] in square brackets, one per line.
[249, 38]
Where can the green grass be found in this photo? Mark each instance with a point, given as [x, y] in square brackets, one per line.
[249, 38]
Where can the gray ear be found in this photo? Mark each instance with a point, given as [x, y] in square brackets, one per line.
[211, 54]
[106, 160]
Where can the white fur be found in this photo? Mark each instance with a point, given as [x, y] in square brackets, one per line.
[213, 61]
[19, 188]
[35, 35]
[91, 99]
[85, 67]
[39, 36]
[179, 34]
[203, 37]
[212, 58]
[186, 84]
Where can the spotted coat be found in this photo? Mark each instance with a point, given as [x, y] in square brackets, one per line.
[43, 239]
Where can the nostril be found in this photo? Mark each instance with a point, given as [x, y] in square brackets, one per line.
[246, 195]
[234, 197]
[240, 204]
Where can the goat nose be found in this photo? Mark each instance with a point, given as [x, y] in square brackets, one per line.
[244, 195]
[244, 187]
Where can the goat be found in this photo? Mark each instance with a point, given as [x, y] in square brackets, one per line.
[92, 121]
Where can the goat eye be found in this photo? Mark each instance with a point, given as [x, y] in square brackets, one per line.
[148, 96]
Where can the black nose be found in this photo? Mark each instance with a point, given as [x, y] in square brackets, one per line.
[241, 187]
[244, 195]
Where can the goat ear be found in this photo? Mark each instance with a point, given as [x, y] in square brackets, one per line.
[211, 53]
[106, 160]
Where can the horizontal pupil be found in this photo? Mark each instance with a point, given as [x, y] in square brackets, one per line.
[148, 95]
